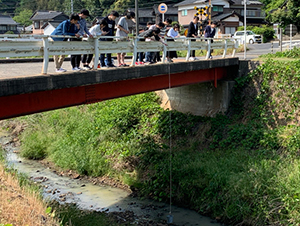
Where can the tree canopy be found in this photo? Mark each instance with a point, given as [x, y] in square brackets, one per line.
[283, 12]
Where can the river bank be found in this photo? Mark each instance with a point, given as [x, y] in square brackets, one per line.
[118, 205]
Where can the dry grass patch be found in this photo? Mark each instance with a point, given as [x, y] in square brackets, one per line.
[19, 206]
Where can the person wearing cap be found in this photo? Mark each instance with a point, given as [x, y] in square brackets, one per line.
[123, 31]
[110, 28]
[83, 31]
[210, 32]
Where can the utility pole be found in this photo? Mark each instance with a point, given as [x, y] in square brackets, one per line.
[209, 12]
[245, 29]
[136, 18]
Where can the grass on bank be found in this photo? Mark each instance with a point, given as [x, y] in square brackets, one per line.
[242, 167]
[20, 200]
[21, 204]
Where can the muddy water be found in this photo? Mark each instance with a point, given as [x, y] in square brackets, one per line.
[93, 197]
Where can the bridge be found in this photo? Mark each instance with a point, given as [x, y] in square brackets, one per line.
[37, 93]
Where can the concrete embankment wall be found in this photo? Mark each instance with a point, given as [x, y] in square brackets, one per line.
[204, 98]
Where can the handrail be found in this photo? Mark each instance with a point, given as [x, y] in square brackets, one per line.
[42, 45]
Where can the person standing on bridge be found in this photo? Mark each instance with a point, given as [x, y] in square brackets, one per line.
[123, 31]
[75, 59]
[67, 27]
[210, 32]
[95, 30]
[193, 33]
[110, 19]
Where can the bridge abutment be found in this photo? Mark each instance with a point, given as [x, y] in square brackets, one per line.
[198, 99]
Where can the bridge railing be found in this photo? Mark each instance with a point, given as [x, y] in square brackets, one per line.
[43, 45]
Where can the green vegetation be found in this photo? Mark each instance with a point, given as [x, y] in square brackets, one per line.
[242, 167]
[71, 214]
[24, 17]
[294, 53]
[283, 12]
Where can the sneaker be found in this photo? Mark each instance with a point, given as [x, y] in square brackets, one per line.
[60, 70]
[76, 69]
[136, 63]
[87, 67]
[111, 65]
[98, 66]
[196, 58]
[141, 63]
[210, 57]
[191, 59]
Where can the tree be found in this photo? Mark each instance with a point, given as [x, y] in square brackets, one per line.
[24, 17]
[283, 12]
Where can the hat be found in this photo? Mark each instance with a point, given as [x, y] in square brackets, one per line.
[85, 12]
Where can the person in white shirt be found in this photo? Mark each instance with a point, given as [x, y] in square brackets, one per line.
[96, 30]
[123, 31]
[172, 33]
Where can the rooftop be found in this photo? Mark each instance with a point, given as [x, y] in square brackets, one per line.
[7, 20]
[46, 15]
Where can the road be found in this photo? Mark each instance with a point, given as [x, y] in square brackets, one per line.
[8, 70]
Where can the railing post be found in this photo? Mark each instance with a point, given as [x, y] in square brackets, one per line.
[188, 50]
[225, 48]
[208, 48]
[96, 58]
[134, 51]
[164, 52]
[46, 55]
[234, 47]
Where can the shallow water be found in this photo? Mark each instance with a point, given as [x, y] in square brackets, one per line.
[94, 197]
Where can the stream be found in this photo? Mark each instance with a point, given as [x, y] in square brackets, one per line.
[94, 197]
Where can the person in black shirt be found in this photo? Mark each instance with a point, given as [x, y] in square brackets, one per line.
[150, 34]
[193, 33]
[110, 28]
[210, 32]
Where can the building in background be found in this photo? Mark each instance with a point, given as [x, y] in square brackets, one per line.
[41, 19]
[7, 24]
[228, 13]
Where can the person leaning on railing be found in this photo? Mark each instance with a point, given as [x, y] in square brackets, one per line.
[75, 59]
[67, 27]
[95, 30]
[209, 32]
[172, 33]
[110, 19]
[149, 35]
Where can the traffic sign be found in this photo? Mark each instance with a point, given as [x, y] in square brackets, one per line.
[162, 8]
[291, 29]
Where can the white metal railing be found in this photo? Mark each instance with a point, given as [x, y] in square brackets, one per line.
[43, 45]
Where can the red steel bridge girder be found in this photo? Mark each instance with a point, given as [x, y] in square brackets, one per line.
[29, 103]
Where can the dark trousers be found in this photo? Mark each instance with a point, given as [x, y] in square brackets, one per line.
[87, 58]
[102, 57]
[75, 59]
[156, 57]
